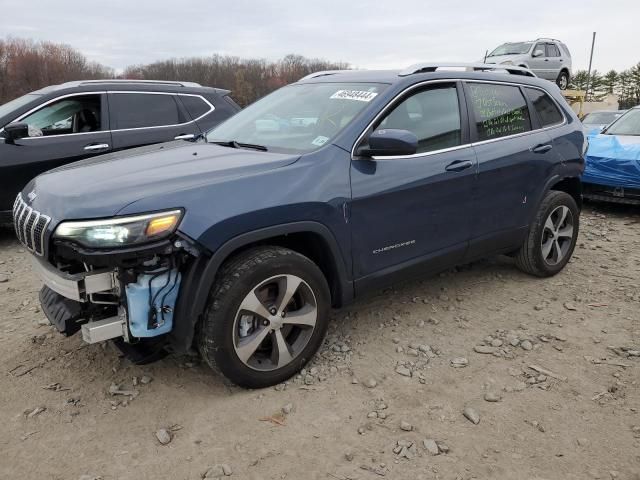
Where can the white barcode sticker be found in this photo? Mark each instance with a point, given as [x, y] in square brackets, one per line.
[320, 140]
[359, 95]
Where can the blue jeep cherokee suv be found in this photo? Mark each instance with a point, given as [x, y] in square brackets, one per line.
[240, 244]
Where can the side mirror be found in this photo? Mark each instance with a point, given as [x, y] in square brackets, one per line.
[390, 142]
[537, 53]
[16, 131]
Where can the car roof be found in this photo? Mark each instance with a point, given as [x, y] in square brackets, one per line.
[124, 85]
[426, 71]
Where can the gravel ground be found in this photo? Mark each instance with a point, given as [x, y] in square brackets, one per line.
[480, 372]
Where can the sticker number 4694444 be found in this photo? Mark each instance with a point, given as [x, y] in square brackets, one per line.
[359, 95]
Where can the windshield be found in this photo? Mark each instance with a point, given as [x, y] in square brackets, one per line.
[298, 118]
[601, 118]
[627, 124]
[511, 49]
[9, 107]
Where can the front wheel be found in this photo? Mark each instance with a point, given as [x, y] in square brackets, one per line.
[563, 80]
[552, 236]
[266, 317]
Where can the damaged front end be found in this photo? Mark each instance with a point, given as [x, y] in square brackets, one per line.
[112, 279]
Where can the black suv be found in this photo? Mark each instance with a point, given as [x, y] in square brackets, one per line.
[339, 184]
[63, 123]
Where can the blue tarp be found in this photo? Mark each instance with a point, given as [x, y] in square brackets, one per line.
[612, 163]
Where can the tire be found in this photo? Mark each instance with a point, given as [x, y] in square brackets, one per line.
[549, 243]
[563, 80]
[237, 317]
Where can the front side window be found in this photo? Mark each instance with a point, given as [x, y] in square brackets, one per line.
[78, 114]
[298, 118]
[627, 124]
[498, 110]
[540, 47]
[140, 110]
[546, 108]
[433, 115]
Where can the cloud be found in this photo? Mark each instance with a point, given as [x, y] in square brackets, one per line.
[366, 34]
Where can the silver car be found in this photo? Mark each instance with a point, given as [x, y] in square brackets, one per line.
[546, 57]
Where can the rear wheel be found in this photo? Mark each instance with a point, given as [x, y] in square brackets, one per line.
[552, 237]
[267, 315]
[563, 80]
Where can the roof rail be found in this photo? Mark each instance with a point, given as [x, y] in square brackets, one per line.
[138, 82]
[322, 74]
[471, 67]
[548, 39]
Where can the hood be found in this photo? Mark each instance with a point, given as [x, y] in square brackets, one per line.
[104, 185]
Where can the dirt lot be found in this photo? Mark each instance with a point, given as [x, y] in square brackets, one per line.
[419, 343]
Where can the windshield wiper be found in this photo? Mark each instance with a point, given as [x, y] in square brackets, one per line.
[234, 144]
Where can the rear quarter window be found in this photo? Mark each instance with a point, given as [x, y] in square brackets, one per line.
[546, 109]
[498, 110]
[196, 106]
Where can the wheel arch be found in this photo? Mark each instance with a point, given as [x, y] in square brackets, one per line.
[570, 185]
[311, 239]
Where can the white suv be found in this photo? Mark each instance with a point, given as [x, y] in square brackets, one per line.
[546, 57]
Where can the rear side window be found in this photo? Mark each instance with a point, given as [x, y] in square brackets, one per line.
[136, 110]
[498, 110]
[546, 108]
[196, 106]
[432, 114]
[552, 50]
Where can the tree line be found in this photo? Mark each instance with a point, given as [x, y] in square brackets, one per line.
[26, 66]
[625, 84]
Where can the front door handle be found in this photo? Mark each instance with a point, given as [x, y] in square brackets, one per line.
[459, 165]
[96, 146]
[185, 136]
[541, 148]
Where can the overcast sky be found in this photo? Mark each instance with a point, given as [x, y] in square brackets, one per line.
[366, 34]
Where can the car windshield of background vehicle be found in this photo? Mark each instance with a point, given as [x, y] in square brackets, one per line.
[9, 107]
[511, 49]
[628, 124]
[601, 118]
[297, 118]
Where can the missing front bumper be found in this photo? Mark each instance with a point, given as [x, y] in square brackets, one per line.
[77, 286]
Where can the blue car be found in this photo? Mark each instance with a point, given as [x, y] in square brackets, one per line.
[239, 245]
[612, 170]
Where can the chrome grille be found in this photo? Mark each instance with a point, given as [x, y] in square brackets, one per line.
[30, 225]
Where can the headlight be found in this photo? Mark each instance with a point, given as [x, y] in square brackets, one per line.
[508, 62]
[121, 231]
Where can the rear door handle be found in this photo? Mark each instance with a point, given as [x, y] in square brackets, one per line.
[96, 146]
[185, 136]
[459, 165]
[541, 148]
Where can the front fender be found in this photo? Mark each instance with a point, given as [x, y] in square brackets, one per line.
[198, 281]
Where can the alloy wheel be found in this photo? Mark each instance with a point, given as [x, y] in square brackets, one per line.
[564, 82]
[557, 235]
[274, 322]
